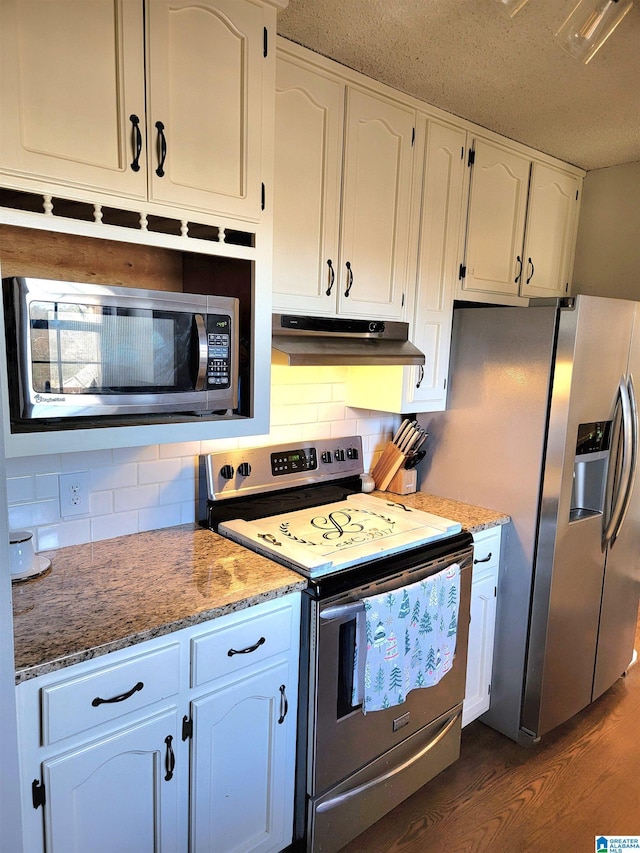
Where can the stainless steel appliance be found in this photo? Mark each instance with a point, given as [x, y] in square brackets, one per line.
[542, 424]
[91, 351]
[301, 505]
[300, 340]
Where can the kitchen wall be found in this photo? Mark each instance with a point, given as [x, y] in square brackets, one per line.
[608, 247]
[136, 489]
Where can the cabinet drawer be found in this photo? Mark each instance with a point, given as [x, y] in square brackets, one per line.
[247, 640]
[486, 549]
[103, 695]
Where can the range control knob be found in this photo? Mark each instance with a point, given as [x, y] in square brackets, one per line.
[352, 453]
[244, 469]
[227, 472]
[339, 455]
[326, 456]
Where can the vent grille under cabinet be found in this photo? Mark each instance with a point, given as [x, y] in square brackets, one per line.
[80, 211]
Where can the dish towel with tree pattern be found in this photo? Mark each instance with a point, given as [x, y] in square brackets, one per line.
[405, 639]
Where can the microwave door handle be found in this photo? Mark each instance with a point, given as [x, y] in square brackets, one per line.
[201, 332]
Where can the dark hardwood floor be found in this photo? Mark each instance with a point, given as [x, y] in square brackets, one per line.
[583, 780]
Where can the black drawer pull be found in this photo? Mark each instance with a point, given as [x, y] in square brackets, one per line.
[135, 126]
[170, 759]
[248, 650]
[332, 277]
[162, 154]
[284, 704]
[98, 701]
[484, 559]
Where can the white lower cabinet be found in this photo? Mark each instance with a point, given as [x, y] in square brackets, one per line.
[484, 584]
[116, 794]
[238, 771]
[140, 754]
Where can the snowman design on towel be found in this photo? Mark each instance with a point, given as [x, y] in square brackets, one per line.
[410, 638]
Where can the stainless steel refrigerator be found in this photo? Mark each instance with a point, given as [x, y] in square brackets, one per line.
[542, 424]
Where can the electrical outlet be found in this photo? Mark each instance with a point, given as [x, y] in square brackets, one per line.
[74, 493]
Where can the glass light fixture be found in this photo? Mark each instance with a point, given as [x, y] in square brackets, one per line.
[590, 25]
[513, 6]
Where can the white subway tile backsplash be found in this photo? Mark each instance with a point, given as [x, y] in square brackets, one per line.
[116, 524]
[113, 477]
[165, 516]
[21, 489]
[101, 503]
[145, 488]
[122, 455]
[47, 486]
[137, 497]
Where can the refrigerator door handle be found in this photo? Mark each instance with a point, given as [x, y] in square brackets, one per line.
[628, 489]
[620, 483]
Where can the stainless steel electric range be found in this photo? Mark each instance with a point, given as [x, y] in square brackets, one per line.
[301, 505]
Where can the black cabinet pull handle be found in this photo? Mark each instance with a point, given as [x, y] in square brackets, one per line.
[169, 759]
[519, 273]
[420, 376]
[284, 704]
[332, 276]
[162, 139]
[533, 269]
[483, 560]
[135, 126]
[248, 650]
[99, 701]
[349, 279]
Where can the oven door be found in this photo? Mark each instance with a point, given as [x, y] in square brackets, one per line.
[342, 739]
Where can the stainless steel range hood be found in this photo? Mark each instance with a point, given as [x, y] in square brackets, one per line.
[304, 341]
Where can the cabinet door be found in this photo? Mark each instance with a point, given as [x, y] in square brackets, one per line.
[439, 205]
[486, 562]
[204, 90]
[437, 263]
[495, 226]
[242, 779]
[551, 227]
[112, 795]
[308, 167]
[72, 88]
[378, 161]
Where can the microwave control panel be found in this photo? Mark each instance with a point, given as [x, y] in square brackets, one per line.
[218, 350]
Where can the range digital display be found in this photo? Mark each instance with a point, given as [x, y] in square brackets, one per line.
[292, 461]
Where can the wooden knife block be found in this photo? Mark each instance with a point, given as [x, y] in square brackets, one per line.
[404, 482]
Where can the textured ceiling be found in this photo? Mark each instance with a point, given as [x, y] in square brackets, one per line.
[507, 74]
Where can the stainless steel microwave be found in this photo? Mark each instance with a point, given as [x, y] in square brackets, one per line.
[85, 350]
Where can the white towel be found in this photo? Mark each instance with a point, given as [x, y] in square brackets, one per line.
[406, 639]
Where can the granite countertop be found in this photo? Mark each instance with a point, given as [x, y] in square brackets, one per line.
[472, 518]
[108, 595]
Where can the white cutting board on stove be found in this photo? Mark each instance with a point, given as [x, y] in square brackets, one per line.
[322, 540]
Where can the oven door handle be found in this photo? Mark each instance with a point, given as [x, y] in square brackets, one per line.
[344, 797]
[339, 611]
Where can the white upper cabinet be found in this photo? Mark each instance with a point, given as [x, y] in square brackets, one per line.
[343, 173]
[521, 226]
[497, 211]
[204, 85]
[308, 164]
[72, 93]
[551, 232]
[74, 86]
[438, 209]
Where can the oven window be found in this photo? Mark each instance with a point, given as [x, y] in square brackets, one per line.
[87, 349]
[346, 658]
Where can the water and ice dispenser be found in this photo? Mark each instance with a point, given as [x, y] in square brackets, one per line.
[590, 469]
